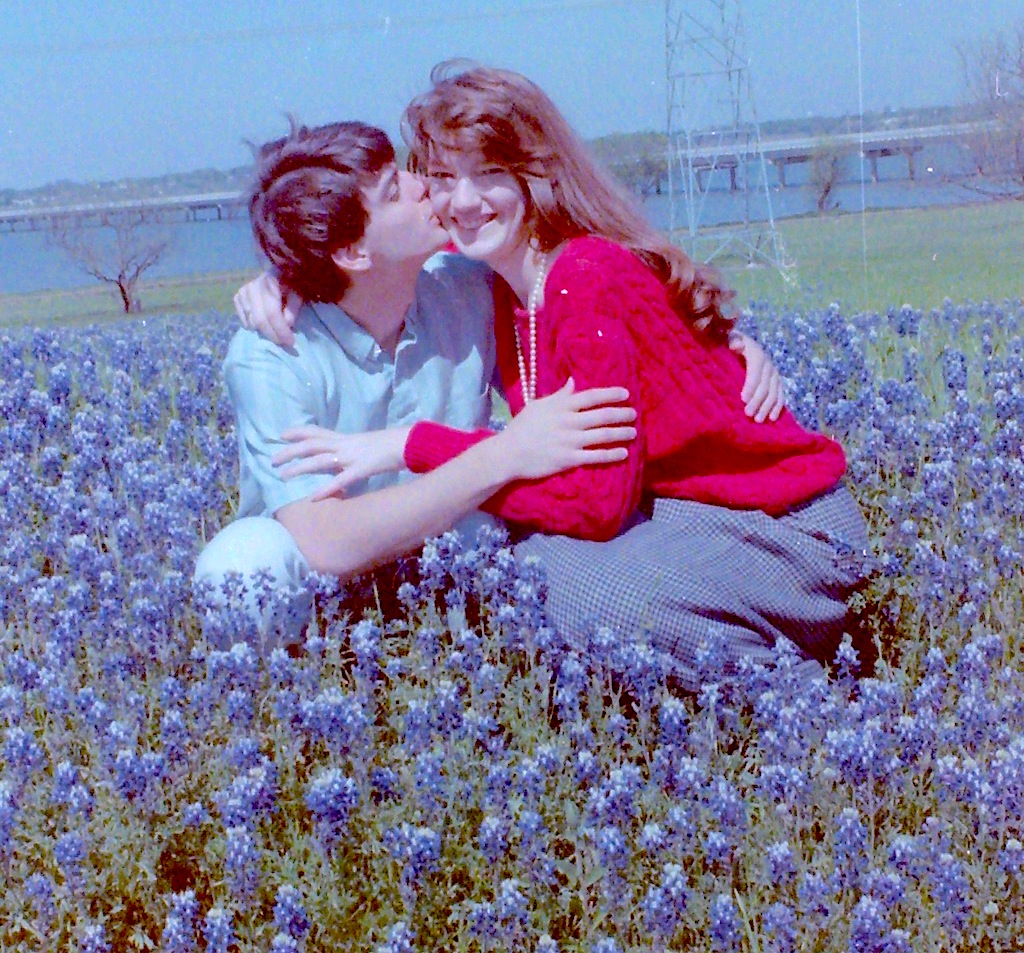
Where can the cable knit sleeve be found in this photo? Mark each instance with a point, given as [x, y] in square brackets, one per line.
[593, 345]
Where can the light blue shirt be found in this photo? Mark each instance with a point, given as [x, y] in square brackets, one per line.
[337, 376]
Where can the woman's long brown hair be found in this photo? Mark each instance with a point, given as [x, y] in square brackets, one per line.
[513, 124]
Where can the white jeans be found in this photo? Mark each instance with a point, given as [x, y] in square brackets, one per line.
[247, 546]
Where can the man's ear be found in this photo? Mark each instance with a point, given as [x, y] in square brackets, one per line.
[352, 258]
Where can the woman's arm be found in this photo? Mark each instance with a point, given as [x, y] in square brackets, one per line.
[588, 502]
[263, 305]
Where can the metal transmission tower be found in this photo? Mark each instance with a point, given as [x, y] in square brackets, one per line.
[714, 142]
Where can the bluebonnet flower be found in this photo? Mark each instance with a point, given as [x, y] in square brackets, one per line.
[400, 939]
[784, 784]
[726, 804]
[418, 849]
[816, 895]
[482, 921]
[570, 685]
[250, 794]
[725, 923]
[194, 814]
[497, 787]
[94, 939]
[781, 869]
[331, 798]
[512, 908]
[22, 753]
[289, 912]
[530, 780]
[135, 775]
[587, 767]
[616, 728]
[614, 800]
[779, 924]
[492, 839]
[218, 931]
[386, 784]
[612, 847]
[174, 734]
[850, 844]
[39, 890]
[690, 778]
[652, 838]
[445, 708]
[868, 926]
[906, 854]
[429, 778]
[12, 704]
[897, 941]
[244, 754]
[241, 863]
[951, 891]
[340, 719]
[885, 886]
[179, 929]
[283, 943]
[70, 853]
[365, 639]
[1011, 857]
[717, 847]
[606, 945]
[427, 641]
[673, 722]
[664, 904]
[239, 705]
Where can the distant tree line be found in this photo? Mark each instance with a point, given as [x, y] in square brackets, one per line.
[993, 70]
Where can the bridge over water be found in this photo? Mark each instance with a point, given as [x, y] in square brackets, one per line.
[706, 153]
[212, 206]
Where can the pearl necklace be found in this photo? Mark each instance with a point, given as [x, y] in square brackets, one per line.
[529, 384]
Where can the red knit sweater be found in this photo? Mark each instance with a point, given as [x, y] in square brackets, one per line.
[606, 320]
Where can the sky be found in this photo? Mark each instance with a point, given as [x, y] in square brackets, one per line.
[98, 90]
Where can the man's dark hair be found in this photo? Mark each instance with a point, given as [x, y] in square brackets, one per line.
[306, 202]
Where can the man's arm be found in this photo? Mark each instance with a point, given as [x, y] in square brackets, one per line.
[342, 536]
[566, 430]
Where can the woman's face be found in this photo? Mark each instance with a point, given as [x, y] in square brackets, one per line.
[482, 206]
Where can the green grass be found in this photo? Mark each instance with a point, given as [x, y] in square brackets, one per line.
[870, 262]
[894, 257]
[101, 304]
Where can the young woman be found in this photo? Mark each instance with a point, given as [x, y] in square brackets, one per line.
[715, 526]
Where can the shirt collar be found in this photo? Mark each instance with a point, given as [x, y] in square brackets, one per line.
[354, 339]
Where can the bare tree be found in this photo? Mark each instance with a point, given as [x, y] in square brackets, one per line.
[827, 162]
[637, 160]
[115, 252]
[993, 69]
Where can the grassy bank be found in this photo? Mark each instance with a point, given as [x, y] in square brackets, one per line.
[99, 303]
[870, 262]
[889, 258]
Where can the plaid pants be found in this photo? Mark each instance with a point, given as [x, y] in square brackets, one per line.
[692, 570]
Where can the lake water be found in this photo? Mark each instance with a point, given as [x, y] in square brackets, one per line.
[28, 263]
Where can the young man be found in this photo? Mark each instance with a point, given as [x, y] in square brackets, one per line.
[382, 342]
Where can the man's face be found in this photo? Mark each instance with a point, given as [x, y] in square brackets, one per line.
[402, 225]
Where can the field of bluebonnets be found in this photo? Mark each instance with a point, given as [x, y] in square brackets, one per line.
[454, 776]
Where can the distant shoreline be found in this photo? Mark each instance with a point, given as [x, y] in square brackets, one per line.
[969, 252]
